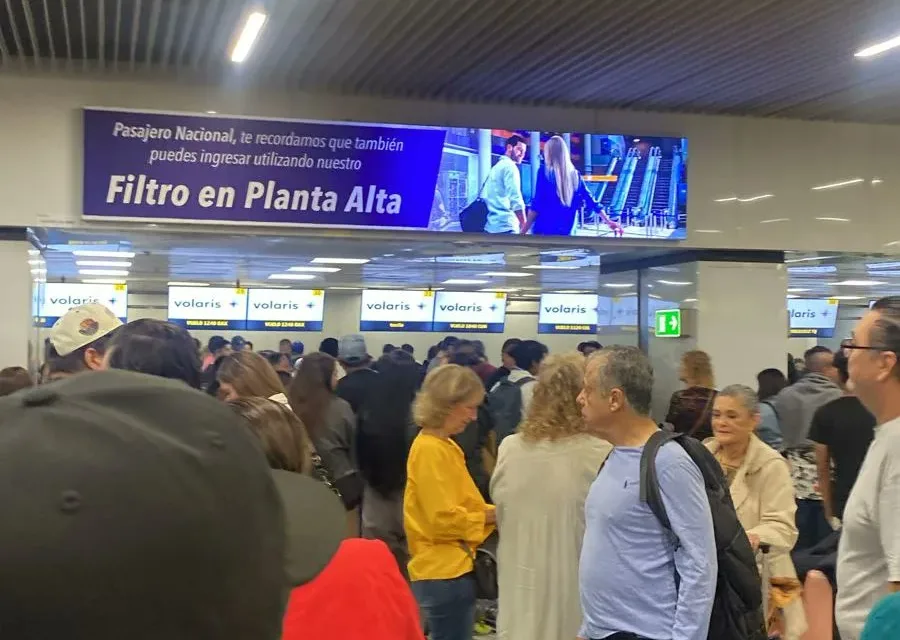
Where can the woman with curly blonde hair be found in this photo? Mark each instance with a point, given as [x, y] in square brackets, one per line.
[542, 478]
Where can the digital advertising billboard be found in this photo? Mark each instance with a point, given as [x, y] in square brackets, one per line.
[393, 310]
[280, 309]
[215, 169]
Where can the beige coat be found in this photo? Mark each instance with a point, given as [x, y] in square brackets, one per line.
[763, 495]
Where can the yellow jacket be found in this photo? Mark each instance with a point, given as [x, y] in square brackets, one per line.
[443, 511]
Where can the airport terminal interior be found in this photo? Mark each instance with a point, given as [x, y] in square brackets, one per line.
[700, 188]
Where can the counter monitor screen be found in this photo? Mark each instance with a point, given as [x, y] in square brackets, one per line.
[208, 308]
[470, 312]
[392, 310]
[285, 309]
[568, 313]
[812, 318]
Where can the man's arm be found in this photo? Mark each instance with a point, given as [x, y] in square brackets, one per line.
[687, 505]
[512, 183]
[889, 519]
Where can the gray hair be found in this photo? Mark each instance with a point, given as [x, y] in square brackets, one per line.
[744, 394]
[628, 369]
[885, 332]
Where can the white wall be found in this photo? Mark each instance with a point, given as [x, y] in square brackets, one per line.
[729, 157]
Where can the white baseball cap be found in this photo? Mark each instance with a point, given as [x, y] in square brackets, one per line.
[81, 326]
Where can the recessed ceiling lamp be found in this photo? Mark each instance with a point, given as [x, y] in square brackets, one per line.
[857, 283]
[506, 274]
[103, 263]
[103, 254]
[464, 281]
[292, 276]
[837, 185]
[315, 269]
[880, 47]
[102, 272]
[340, 260]
[249, 35]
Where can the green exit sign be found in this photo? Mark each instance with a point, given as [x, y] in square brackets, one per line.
[668, 323]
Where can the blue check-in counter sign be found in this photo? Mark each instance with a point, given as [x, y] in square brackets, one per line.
[568, 313]
[469, 312]
[812, 318]
[392, 310]
[208, 307]
[55, 299]
[283, 309]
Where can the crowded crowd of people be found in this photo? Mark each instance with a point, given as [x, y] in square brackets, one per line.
[158, 488]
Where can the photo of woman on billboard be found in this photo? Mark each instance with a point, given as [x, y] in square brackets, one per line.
[559, 194]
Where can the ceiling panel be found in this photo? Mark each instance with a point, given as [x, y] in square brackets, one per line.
[748, 57]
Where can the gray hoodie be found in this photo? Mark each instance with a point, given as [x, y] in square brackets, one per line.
[796, 405]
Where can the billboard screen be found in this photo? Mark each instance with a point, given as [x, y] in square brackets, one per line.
[212, 169]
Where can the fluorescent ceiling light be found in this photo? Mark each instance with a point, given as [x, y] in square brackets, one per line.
[211, 112]
[654, 296]
[552, 266]
[837, 185]
[316, 269]
[832, 219]
[857, 283]
[675, 283]
[690, 300]
[847, 297]
[34, 263]
[798, 290]
[707, 231]
[339, 260]
[809, 259]
[617, 285]
[877, 180]
[249, 34]
[103, 272]
[883, 265]
[103, 254]
[791, 296]
[292, 276]
[34, 252]
[102, 281]
[825, 268]
[880, 47]
[176, 283]
[506, 274]
[464, 281]
[103, 263]
[771, 220]
[731, 199]
[755, 198]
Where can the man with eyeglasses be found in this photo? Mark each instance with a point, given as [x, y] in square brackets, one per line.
[869, 554]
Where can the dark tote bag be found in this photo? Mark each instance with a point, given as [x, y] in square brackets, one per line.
[474, 217]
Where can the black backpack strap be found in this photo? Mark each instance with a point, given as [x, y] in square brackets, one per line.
[649, 481]
[521, 382]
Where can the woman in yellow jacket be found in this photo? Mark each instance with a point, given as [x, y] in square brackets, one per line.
[444, 515]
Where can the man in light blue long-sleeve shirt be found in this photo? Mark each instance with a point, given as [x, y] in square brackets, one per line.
[503, 190]
[629, 562]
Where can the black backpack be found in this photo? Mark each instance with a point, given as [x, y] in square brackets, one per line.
[737, 612]
[504, 407]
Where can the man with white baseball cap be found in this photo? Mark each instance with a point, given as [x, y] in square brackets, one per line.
[79, 339]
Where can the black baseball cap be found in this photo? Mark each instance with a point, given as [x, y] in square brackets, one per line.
[136, 508]
[216, 343]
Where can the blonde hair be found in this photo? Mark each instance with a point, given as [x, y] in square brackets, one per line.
[554, 411]
[698, 371]
[281, 433]
[250, 374]
[558, 164]
[444, 389]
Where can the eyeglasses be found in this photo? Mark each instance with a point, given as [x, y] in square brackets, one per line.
[848, 345]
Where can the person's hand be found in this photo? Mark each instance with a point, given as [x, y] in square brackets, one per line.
[616, 228]
[490, 516]
[754, 541]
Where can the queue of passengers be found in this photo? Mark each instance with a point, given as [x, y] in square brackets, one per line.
[352, 501]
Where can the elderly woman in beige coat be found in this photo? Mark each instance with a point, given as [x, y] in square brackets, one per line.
[761, 488]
